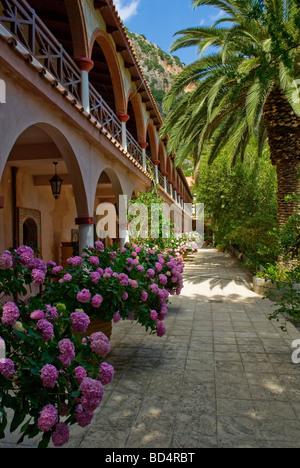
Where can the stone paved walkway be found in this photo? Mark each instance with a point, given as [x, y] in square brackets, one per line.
[221, 377]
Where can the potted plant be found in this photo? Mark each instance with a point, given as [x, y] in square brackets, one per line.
[52, 374]
[111, 284]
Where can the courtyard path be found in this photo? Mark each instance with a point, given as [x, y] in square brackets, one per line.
[222, 376]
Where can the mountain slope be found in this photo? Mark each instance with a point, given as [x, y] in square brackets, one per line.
[158, 66]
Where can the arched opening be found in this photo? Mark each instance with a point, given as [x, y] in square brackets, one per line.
[135, 124]
[64, 18]
[162, 158]
[170, 170]
[131, 124]
[31, 214]
[152, 149]
[106, 75]
[30, 234]
[107, 208]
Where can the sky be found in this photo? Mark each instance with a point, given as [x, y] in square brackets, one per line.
[159, 20]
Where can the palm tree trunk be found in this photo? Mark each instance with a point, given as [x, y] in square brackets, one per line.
[283, 130]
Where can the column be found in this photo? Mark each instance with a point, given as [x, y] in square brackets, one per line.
[171, 189]
[85, 66]
[144, 146]
[124, 119]
[123, 220]
[2, 351]
[165, 174]
[86, 232]
[156, 164]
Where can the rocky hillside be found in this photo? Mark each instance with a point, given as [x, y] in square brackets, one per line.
[158, 66]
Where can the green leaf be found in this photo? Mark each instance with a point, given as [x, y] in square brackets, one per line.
[18, 418]
[45, 441]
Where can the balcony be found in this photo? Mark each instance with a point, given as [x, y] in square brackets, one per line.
[21, 27]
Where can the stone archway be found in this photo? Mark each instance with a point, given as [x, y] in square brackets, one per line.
[25, 183]
[107, 207]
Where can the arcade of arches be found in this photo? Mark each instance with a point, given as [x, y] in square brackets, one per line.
[75, 96]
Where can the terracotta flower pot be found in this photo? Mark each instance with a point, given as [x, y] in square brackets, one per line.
[99, 325]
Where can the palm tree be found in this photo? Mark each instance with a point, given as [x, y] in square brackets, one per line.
[248, 85]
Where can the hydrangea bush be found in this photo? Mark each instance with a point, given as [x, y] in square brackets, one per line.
[184, 243]
[53, 374]
[114, 284]
[53, 378]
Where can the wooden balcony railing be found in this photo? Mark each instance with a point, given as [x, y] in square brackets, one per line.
[21, 20]
[104, 115]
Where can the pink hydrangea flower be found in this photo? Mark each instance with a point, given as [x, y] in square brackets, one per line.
[97, 301]
[80, 374]
[83, 418]
[116, 317]
[144, 296]
[37, 315]
[92, 394]
[151, 272]
[131, 315]
[49, 376]
[106, 373]
[154, 288]
[154, 315]
[100, 344]
[52, 312]
[134, 284]
[26, 255]
[99, 246]
[84, 296]
[67, 352]
[74, 261]
[39, 264]
[46, 329]
[123, 278]
[95, 277]
[80, 321]
[61, 435]
[38, 277]
[163, 279]
[10, 313]
[158, 267]
[6, 261]
[107, 273]
[48, 418]
[94, 261]
[124, 296]
[57, 269]
[66, 279]
[7, 368]
[161, 329]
